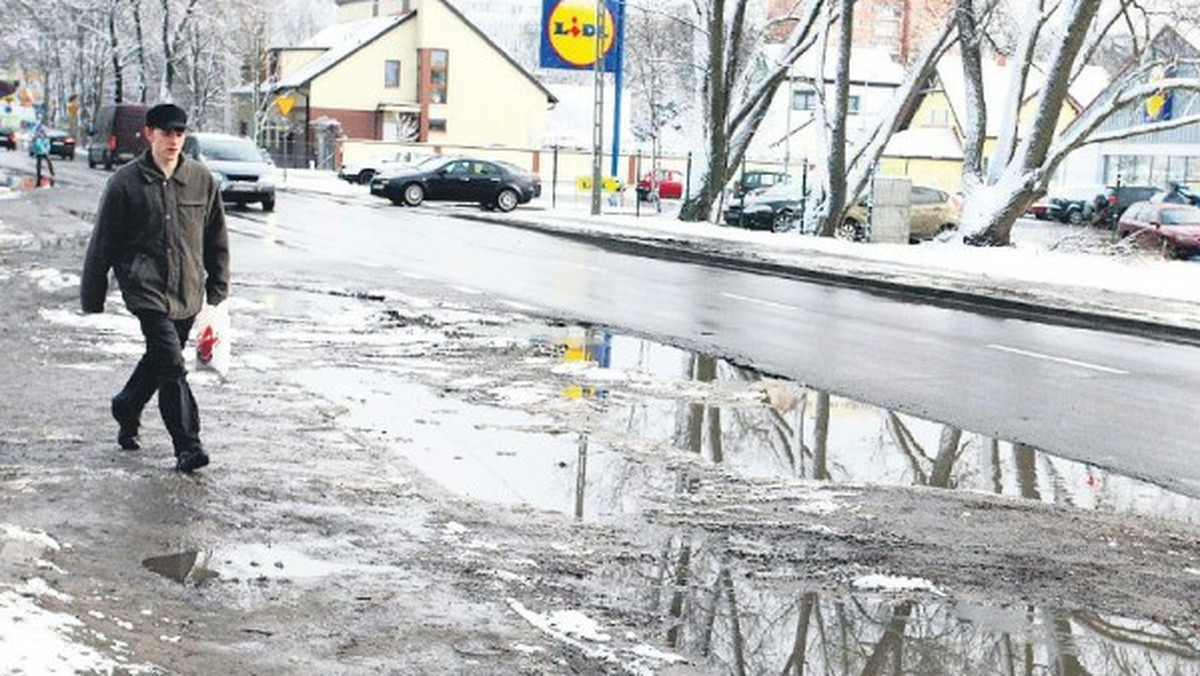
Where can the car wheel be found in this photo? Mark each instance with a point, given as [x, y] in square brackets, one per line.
[268, 203]
[1075, 217]
[850, 230]
[781, 220]
[414, 194]
[365, 176]
[507, 200]
[91, 162]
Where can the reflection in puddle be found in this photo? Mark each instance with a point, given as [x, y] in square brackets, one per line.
[718, 613]
[771, 428]
[181, 567]
[653, 397]
[246, 562]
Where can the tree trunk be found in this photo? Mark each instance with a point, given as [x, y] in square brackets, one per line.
[836, 197]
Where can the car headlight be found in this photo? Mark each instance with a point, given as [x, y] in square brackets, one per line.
[218, 177]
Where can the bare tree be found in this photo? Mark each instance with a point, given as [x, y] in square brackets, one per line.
[734, 99]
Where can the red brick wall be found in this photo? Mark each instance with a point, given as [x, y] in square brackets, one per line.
[363, 124]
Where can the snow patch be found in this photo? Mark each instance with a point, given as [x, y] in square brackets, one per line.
[894, 583]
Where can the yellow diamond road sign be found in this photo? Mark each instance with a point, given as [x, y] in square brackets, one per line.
[284, 104]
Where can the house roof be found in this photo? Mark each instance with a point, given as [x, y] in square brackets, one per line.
[342, 40]
[1086, 86]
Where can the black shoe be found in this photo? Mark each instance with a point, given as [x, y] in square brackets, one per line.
[127, 434]
[189, 461]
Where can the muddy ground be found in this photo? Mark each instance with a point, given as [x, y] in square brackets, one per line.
[363, 512]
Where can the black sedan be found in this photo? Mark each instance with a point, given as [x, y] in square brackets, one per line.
[492, 184]
[774, 208]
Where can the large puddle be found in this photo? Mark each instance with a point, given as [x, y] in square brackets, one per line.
[683, 407]
[710, 409]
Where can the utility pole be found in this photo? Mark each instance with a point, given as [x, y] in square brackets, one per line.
[598, 110]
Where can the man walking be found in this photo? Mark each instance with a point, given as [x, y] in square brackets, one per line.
[161, 228]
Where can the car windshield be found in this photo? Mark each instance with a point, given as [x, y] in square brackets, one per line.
[1180, 216]
[231, 150]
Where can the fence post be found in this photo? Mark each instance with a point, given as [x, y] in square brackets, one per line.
[637, 176]
[554, 178]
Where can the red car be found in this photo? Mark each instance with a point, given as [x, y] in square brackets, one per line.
[1174, 227]
[668, 181]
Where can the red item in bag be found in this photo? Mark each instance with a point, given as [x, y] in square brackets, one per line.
[206, 344]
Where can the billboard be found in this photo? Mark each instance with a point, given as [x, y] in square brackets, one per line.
[569, 34]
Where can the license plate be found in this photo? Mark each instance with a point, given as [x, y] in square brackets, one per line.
[242, 187]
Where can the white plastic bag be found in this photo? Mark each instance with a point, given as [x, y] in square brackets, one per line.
[213, 349]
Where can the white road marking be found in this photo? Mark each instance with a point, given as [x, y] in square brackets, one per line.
[581, 266]
[751, 299]
[1060, 360]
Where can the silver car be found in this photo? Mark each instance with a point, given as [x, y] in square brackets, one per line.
[237, 164]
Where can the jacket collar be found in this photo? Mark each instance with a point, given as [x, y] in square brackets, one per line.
[152, 174]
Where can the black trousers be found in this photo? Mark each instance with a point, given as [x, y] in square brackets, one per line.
[162, 370]
[49, 164]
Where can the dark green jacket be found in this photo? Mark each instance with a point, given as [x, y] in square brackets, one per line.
[164, 237]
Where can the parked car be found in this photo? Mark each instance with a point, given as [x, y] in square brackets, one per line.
[362, 172]
[931, 213]
[668, 182]
[116, 137]
[1075, 204]
[774, 208]
[62, 144]
[238, 166]
[1039, 209]
[1172, 226]
[749, 181]
[494, 185]
[1116, 199]
[8, 138]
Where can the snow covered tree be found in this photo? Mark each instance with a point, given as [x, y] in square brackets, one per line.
[1030, 148]
[735, 97]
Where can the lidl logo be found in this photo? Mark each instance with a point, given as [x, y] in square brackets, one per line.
[570, 32]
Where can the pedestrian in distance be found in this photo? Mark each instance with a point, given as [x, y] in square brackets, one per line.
[161, 228]
[40, 145]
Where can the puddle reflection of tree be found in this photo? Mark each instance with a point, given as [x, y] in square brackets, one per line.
[721, 617]
[795, 427]
[747, 624]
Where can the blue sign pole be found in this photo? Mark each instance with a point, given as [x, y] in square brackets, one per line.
[618, 80]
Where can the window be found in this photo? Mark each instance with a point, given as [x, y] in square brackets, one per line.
[804, 99]
[439, 77]
[391, 73]
[437, 124]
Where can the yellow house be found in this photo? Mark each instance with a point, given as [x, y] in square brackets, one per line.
[400, 70]
[929, 148]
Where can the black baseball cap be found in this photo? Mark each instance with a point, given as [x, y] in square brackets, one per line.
[167, 116]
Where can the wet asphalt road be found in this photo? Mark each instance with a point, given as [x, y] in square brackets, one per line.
[1120, 402]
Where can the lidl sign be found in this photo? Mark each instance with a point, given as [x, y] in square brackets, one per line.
[570, 31]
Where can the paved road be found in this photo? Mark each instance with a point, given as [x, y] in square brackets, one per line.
[1120, 402]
